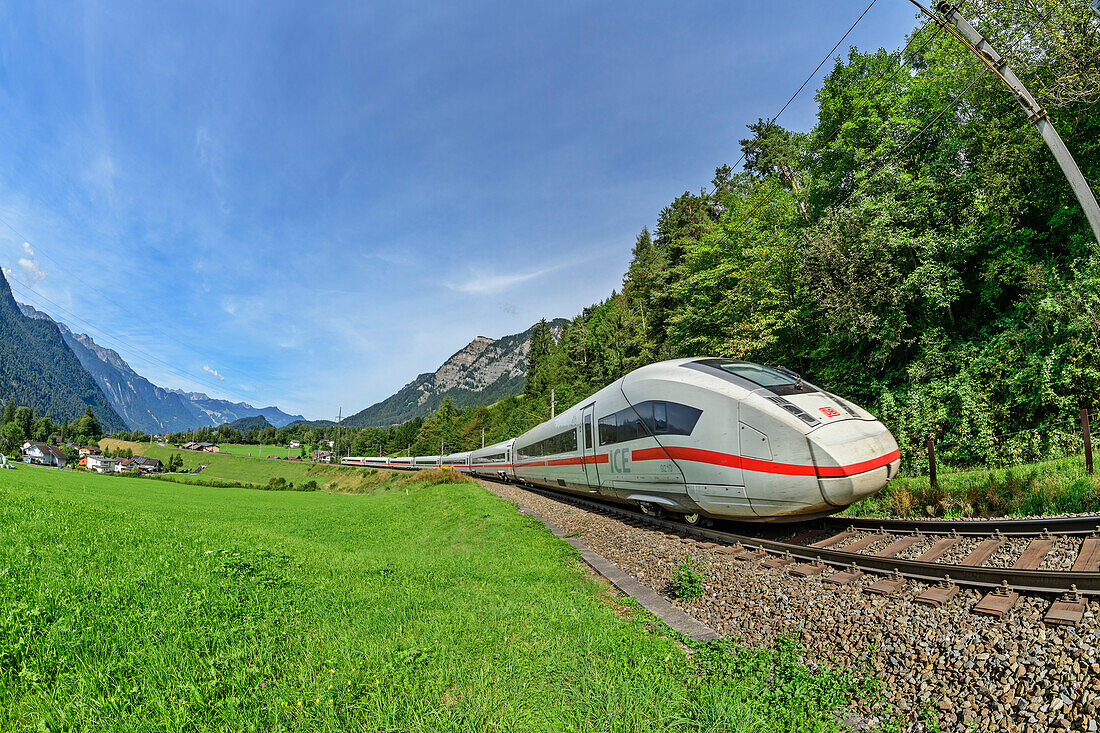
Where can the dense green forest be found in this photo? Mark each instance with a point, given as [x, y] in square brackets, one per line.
[918, 251]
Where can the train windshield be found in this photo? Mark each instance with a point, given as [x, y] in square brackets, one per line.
[762, 375]
[777, 380]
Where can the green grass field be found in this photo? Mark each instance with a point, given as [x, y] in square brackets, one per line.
[229, 467]
[1051, 487]
[141, 605]
[259, 451]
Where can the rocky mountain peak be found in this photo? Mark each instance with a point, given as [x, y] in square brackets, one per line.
[482, 372]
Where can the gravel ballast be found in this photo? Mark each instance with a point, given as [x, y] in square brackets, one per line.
[962, 670]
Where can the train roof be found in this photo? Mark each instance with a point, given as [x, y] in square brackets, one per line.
[495, 447]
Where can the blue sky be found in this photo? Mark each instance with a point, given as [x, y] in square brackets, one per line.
[307, 204]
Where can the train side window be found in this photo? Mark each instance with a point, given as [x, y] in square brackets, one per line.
[588, 431]
[644, 416]
[660, 419]
[682, 418]
[607, 431]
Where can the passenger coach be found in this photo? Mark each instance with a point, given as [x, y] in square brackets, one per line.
[702, 437]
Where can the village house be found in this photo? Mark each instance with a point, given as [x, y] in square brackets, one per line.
[46, 455]
[142, 463]
[102, 464]
[295, 444]
[89, 450]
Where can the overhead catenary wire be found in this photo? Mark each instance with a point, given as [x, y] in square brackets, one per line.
[819, 146]
[113, 341]
[40, 252]
[950, 105]
[811, 75]
[870, 93]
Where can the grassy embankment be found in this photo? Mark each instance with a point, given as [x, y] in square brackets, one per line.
[1051, 487]
[135, 605]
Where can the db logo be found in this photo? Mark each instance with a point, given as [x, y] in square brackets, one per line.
[829, 412]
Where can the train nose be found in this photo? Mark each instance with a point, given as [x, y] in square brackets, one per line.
[854, 459]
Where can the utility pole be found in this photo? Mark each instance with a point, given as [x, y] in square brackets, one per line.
[336, 443]
[552, 403]
[483, 437]
[1036, 115]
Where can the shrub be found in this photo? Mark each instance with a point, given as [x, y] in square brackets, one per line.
[687, 581]
[433, 476]
[278, 483]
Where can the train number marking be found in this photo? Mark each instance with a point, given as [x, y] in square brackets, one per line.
[829, 412]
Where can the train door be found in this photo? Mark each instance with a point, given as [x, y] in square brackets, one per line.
[588, 447]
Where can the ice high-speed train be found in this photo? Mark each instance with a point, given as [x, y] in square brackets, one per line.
[700, 438]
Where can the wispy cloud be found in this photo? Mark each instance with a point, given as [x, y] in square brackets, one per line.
[32, 273]
[486, 284]
[208, 370]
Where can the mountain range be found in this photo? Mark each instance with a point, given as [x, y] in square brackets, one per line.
[39, 370]
[46, 365]
[482, 372]
[141, 404]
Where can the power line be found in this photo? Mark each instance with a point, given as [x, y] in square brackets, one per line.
[39, 252]
[109, 340]
[953, 104]
[869, 94]
[812, 74]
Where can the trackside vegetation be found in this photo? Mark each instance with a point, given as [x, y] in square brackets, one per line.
[1051, 487]
[141, 605]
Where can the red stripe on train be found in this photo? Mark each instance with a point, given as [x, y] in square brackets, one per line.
[716, 458]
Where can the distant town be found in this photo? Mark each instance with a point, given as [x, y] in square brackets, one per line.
[59, 454]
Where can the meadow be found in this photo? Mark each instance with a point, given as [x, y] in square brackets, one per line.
[141, 605]
[239, 468]
[259, 451]
[1051, 487]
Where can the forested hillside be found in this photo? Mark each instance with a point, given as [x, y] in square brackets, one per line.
[39, 371]
[244, 424]
[918, 250]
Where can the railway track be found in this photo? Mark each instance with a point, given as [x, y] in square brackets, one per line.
[841, 556]
[1080, 525]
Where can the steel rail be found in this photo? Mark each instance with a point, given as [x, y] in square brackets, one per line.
[1082, 525]
[1031, 581]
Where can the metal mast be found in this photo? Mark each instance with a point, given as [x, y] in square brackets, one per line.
[1036, 115]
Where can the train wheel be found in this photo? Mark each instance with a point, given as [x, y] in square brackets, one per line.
[651, 510]
[694, 520]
